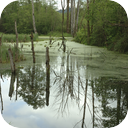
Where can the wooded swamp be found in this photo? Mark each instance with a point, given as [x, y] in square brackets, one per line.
[86, 87]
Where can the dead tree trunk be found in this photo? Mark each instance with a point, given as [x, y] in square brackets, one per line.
[77, 16]
[33, 17]
[63, 42]
[47, 76]
[16, 34]
[33, 52]
[88, 23]
[11, 60]
[67, 16]
[16, 53]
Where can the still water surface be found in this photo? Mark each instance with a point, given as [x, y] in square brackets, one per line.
[87, 88]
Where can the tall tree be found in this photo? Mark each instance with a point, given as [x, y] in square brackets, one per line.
[72, 16]
[77, 16]
[88, 23]
[67, 16]
[34, 26]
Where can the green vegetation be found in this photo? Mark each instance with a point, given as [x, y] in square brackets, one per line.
[58, 34]
[108, 26]
[46, 17]
[21, 37]
[4, 57]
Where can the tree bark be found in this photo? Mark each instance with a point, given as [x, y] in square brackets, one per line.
[67, 16]
[16, 34]
[33, 17]
[88, 23]
[77, 17]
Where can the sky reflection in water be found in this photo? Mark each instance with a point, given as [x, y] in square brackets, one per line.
[69, 107]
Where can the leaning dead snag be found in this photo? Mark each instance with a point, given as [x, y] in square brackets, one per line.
[47, 76]
[11, 60]
[33, 53]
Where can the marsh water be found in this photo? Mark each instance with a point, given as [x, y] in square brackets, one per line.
[87, 88]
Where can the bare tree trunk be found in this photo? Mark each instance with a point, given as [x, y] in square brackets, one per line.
[77, 16]
[72, 17]
[16, 34]
[67, 16]
[88, 23]
[92, 16]
[33, 17]
[16, 53]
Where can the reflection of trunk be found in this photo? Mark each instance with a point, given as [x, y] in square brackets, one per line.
[33, 52]
[47, 76]
[33, 78]
[11, 85]
[33, 17]
[118, 103]
[93, 103]
[1, 100]
[85, 103]
[17, 85]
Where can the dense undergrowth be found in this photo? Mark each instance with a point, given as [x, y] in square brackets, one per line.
[21, 37]
[4, 56]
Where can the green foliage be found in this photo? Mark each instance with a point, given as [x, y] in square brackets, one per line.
[21, 37]
[81, 37]
[46, 17]
[58, 34]
[4, 57]
[108, 26]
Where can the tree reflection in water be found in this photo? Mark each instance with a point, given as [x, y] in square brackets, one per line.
[104, 98]
[32, 86]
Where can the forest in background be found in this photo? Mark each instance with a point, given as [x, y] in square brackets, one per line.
[94, 22]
